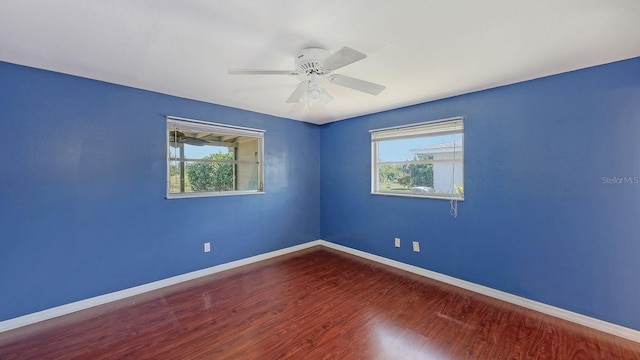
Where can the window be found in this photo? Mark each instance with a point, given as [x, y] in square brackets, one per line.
[421, 160]
[206, 159]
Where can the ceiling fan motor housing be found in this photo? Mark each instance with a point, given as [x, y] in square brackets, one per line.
[308, 61]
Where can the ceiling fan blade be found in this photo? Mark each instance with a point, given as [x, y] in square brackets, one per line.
[342, 57]
[261, 72]
[299, 92]
[356, 84]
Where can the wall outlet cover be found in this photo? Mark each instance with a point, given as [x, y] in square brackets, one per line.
[416, 246]
[397, 242]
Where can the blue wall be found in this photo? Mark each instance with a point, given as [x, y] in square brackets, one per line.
[537, 220]
[82, 191]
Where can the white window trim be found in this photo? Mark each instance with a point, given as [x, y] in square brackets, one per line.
[206, 126]
[404, 132]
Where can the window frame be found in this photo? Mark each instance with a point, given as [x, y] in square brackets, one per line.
[173, 122]
[415, 130]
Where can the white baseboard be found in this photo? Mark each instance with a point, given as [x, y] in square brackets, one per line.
[597, 324]
[593, 323]
[122, 294]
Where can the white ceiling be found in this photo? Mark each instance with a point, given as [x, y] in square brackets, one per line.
[420, 49]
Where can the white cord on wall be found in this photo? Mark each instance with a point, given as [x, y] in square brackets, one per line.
[454, 208]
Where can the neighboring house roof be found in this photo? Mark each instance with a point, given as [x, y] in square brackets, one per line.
[439, 148]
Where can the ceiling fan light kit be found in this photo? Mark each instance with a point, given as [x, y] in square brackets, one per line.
[314, 89]
[315, 62]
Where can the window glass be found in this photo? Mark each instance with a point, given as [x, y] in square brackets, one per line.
[425, 160]
[213, 159]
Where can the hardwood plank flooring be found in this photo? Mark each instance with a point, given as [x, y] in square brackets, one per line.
[314, 304]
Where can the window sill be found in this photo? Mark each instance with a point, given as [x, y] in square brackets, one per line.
[417, 195]
[212, 194]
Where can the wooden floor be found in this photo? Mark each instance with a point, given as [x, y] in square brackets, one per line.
[316, 304]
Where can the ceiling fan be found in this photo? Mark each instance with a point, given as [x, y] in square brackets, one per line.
[314, 63]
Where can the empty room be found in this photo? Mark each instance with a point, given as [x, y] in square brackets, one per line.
[353, 179]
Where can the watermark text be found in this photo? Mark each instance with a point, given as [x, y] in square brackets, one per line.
[616, 180]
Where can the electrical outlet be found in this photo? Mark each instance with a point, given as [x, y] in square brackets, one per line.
[397, 242]
[207, 247]
[416, 246]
